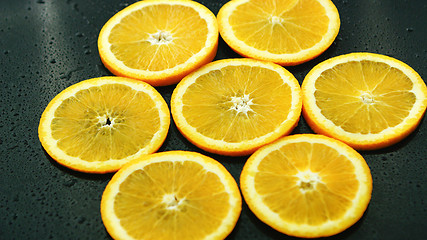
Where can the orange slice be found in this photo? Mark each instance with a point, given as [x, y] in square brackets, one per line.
[99, 124]
[367, 100]
[159, 41]
[234, 106]
[307, 185]
[287, 32]
[171, 195]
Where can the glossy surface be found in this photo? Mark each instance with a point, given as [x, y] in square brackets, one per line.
[46, 46]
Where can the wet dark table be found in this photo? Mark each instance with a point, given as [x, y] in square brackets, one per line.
[46, 46]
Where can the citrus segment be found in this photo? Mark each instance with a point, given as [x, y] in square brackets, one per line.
[307, 185]
[99, 124]
[159, 42]
[285, 32]
[171, 195]
[367, 100]
[234, 106]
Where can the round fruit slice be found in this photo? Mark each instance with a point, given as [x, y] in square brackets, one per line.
[287, 32]
[367, 100]
[171, 195]
[99, 124]
[307, 185]
[234, 106]
[159, 41]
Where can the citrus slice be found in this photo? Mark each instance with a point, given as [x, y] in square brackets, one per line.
[367, 100]
[287, 32]
[307, 185]
[171, 195]
[159, 41]
[234, 106]
[99, 124]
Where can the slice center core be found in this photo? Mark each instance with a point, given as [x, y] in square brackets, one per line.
[241, 104]
[106, 121]
[276, 20]
[160, 37]
[307, 180]
[171, 201]
[367, 98]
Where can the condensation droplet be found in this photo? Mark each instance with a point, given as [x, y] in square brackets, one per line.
[81, 220]
[70, 183]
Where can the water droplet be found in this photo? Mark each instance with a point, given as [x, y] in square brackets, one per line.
[6, 51]
[53, 61]
[13, 147]
[81, 220]
[409, 29]
[68, 74]
[79, 34]
[70, 183]
[41, 1]
[88, 51]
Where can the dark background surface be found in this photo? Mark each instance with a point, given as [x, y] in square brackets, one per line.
[46, 46]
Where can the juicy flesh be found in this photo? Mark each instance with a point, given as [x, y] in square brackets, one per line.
[110, 121]
[307, 183]
[158, 37]
[280, 27]
[364, 96]
[171, 200]
[237, 103]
